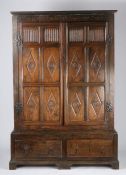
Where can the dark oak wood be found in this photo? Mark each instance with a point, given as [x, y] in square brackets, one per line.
[64, 89]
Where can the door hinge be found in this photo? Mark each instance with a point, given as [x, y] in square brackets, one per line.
[19, 40]
[109, 107]
[18, 107]
[109, 39]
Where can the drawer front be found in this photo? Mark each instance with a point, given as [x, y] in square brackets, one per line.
[35, 149]
[90, 148]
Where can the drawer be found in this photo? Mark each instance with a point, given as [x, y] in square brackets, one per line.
[37, 148]
[90, 148]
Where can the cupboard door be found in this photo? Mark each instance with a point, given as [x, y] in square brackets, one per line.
[51, 91]
[97, 84]
[86, 75]
[75, 91]
[40, 76]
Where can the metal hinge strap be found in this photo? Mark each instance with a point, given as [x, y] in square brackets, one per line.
[109, 39]
[109, 107]
[19, 40]
[18, 107]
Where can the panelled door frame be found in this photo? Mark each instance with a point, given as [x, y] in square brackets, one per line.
[106, 84]
[40, 124]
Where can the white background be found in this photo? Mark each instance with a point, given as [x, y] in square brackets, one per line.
[6, 78]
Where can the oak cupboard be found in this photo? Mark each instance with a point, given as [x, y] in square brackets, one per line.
[63, 89]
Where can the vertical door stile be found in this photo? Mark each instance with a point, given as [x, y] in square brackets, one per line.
[20, 57]
[86, 72]
[41, 71]
[62, 66]
[41, 88]
[66, 74]
[107, 85]
[85, 77]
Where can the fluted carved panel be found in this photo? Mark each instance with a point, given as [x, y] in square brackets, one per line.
[96, 33]
[76, 34]
[31, 34]
[51, 35]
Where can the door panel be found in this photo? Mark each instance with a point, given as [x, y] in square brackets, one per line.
[76, 64]
[51, 65]
[50, 113]
[96, 63]
[95, 106]
[30, 64]
[31, 104]
[75, 105]
[96, 32]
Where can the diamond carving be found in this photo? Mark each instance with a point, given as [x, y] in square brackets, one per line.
[51, 65]
[31, 102]
[96, 64]
[96, 103]
[51, 105]
[76, 104]
[75, 66]
[31, 106]
[31, 64]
